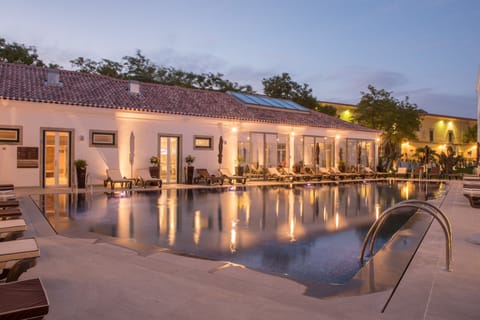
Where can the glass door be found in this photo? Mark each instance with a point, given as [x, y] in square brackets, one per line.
[56, 158]
[169, 159]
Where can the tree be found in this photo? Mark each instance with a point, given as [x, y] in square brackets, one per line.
[19, 53]
[327, 109]
[398, 120]
[448, 160]
[283, 87]
[470, 134]
[140, 68]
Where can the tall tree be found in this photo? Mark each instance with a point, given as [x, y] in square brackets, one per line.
[283, 87]
[19, 53]
[397, 120]
[470, 134]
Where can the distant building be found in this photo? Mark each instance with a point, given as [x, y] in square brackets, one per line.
[436, 131]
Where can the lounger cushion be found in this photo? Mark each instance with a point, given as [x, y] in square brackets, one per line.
[25, 299]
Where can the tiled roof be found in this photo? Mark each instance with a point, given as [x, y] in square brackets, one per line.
[28, 83]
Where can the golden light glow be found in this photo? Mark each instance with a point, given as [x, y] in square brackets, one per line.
[233, 236]
[234, 129]
[337, 136]
[405, 191]
[196, 227]
[292, 133]
[172, 226]
[337, 220]
[377, 211]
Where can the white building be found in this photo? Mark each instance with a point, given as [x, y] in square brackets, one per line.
[50, 118]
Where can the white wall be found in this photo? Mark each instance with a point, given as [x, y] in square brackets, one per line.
[146, 128]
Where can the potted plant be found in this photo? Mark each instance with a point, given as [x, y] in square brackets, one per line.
[155, 167]
[239, 168]
[81, 166]
[189, 160]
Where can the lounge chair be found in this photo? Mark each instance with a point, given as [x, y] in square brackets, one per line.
[145, 178]
[402, 172]
[275, 174]
[204, 176]
[7, 195]
[12, 229]
[26, 299]
[226, 174]
[471, 190]
[297, 176]
[253, 171]
[114, 176]
[9, 204]
[10, 213]
[335, 173]
[7, 187]
[323, 173]
[16, 257]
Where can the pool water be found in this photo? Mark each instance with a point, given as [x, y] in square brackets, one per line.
[305, 232]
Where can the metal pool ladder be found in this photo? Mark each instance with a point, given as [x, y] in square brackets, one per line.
[427, 207]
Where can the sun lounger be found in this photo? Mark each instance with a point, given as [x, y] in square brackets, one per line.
[26, 299]
[145, 178]
[203, 176]
[114, 176]
[226, 174]
[275, 174]
[297, 176]
[7, 195]
[9, 203]
[12, 229]
[254, 172]
[9, 213]
[6, 187]
[16, 257]
[335, 173]
[401, 172]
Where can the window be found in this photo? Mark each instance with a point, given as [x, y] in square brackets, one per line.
[102, 138]
[430, 135]
[203, 142]
[450, 136]
[11, 135]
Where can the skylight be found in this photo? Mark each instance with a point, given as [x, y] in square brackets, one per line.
[268, 102]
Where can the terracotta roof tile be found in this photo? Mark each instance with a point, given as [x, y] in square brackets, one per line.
[28, 83]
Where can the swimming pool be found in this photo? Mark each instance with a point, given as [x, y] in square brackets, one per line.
[304, 232]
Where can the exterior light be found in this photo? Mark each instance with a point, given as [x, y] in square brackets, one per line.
[292, 133]
[234, 129]
[337, 136]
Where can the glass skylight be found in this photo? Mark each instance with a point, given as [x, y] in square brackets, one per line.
[268, 102]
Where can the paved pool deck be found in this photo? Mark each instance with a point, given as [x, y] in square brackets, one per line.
[94, 279]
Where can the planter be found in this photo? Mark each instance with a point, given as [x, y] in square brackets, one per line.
[154, 172]
[81, 177]
[189, 174]
[239, 171]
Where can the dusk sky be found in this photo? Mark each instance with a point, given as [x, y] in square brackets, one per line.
[428, 50]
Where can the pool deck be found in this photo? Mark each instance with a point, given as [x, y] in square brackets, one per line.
[94, 279]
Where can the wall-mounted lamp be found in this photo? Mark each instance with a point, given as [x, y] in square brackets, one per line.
[234, 129]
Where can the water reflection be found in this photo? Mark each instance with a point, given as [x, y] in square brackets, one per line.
[307, 232]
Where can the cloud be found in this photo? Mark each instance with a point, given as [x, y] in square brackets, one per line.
[358, 78]
[443, 103]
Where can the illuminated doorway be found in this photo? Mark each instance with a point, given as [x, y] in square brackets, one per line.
[169, 158]
[56, 158]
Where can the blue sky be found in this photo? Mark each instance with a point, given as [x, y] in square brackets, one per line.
[428, 50]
